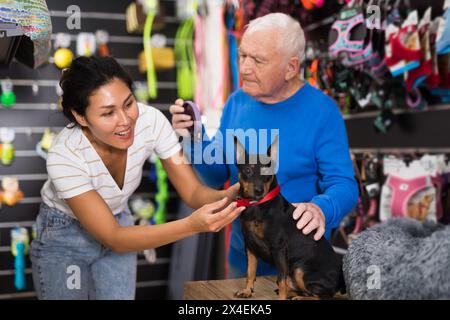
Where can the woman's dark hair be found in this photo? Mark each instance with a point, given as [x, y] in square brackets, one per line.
[85, 75]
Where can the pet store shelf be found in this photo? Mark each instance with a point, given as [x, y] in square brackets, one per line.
[12, 272]
[31, 294]
[143, 262]
[37, 200]
[53, 83]
[155, 283]
[34, 106]
[18, 295]
[123, 39]
[372, 114]
[28, 177]
[104, 16]
[6, 225]
[319, 24]
[53, 106]
[400, 150]
[140, 262]
[25, 153]
[112, 38]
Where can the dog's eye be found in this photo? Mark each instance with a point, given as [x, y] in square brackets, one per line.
[248, 171]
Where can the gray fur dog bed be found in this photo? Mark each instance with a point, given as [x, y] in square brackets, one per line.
[399, 259]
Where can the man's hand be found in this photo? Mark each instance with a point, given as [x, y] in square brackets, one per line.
[311, 218]
[180, 121]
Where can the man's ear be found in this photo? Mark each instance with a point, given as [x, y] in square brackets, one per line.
[81, 120]
[241, 154]
[293, 68]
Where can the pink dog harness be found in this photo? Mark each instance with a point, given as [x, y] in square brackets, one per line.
[403, 190]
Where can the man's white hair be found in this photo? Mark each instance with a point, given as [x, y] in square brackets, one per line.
[292, 40]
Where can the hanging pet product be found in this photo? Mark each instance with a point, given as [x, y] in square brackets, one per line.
[102, 38]
[11, 34]
[231, 15]
[11, 194]
[443, 51]
[409, 189]
[7, 136]
[35, 88]
[434, 79]
[162, 196]
[144, 210]
[163, 57]
[371, 174]
[8, 97]
[403, 51]
[135, 18]
[201, 66]
[59, 93]
[86, 44]
[63, 56]
[33, 19]
[44, 145]
[19, 248]
[418, 75]
[312, 4]
[184, 50]
[151, 8]
[140, 91]
[443, 34]
[348, 31]
[185, 58]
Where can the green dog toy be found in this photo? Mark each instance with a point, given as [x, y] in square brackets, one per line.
[8, 97]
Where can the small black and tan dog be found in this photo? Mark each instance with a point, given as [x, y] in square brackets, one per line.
[305, 267]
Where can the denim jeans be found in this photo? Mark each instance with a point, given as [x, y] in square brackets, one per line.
[68, 263]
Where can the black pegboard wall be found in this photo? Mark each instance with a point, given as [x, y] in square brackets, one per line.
[33, 113]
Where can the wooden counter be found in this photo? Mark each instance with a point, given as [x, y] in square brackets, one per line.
[225, 289]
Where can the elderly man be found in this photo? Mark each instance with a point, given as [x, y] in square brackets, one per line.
[314, 166]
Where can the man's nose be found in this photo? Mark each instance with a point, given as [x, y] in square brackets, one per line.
[245, 67]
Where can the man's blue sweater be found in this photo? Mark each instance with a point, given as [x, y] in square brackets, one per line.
[314, 162]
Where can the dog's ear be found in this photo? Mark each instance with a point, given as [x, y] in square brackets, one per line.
[241, 154]
[272, 151]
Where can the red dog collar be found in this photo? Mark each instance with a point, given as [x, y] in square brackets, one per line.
[269, 196]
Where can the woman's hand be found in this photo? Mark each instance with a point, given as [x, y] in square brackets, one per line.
[213, 217]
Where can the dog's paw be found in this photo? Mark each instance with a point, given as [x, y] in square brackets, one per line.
[244, 293]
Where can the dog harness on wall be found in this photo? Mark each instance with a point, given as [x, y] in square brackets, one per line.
[349, 26]
[403, 190]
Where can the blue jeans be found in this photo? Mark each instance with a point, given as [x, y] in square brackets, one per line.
[68, 263]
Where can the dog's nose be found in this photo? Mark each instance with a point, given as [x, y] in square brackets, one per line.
[259, 191]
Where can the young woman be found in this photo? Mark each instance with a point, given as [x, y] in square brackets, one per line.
[86, 244]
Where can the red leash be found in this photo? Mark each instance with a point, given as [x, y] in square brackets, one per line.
[269, 196]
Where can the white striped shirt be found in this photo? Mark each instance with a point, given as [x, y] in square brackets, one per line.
[74, 167]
